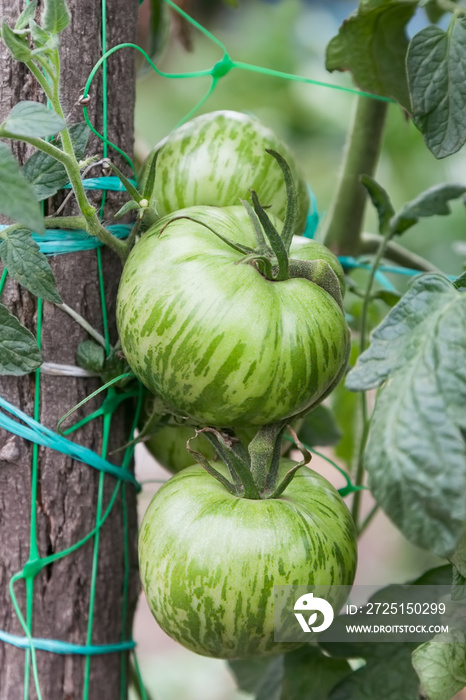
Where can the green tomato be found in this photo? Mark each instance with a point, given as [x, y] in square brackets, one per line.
[216, 159]
[214, 339]
[209, 560]
[168, 446]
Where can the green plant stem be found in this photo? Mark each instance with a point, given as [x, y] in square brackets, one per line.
[399, 255]
[344, 221]
[264, 455]
[359, 475]
[132, 236]
[41, 79]
[74, 223]
[383, 242]
[68, 158]
[40, 144]
[368, 519]
[83, 323]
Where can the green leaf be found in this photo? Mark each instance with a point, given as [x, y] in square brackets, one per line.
[17, 198]
[261, 677]
[435, 65]
[458, 587]
[26, 15]
[390, 298]
[458, 558]
[46, 174]
[28, 266]
[91, 356]
[309, 675]
[17, 45]
[33, 119]
[127, 207]
[380, 200]
[441, 665]
[460, 282]
[129, 187]
[416, 452]
[372, 44]
[40, 37]
[432, 202]
[388, 674]
[319, 428]
[55, 17]
[19, 352]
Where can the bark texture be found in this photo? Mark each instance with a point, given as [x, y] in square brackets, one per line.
[67, 490]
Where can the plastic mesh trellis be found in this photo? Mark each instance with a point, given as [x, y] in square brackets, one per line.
[57, 242]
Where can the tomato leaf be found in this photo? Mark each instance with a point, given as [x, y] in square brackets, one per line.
[387, 674]
[17, 45]
[17, 198]
[250, 674]
[435, 65]
[46, 174]
[42, 38]
[26, 15]
[310, 674]
[419, 420]
[28, 266]
[432, 202]
[380, 200]
[32, 119]
[55, 17]
[372, 44]
[460, 282]
[390, 298]
[19, 352]
[319, 428]
[458, 587]
[441, 665]
[129, 187]
[91, 356]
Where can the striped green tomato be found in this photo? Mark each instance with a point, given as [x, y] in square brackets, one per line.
[216, 159]
[209, 560]
[214, 339]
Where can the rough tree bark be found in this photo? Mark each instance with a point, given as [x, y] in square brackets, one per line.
[67, 490]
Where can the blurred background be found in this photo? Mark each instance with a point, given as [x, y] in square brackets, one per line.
[289, 36]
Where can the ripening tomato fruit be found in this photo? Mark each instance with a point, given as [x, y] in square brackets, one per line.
[212, 337]
[216, 159]
[209, 560]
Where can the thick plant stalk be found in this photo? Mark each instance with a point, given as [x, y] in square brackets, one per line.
[345, 218]
[67, 491]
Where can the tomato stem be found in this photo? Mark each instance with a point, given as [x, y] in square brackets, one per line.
[264, 451]
[344, 221]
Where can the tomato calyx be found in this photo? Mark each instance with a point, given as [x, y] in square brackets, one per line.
[271, 256]
[254, 472]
